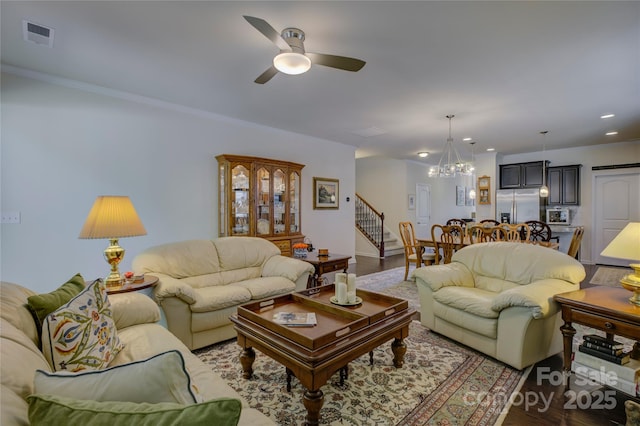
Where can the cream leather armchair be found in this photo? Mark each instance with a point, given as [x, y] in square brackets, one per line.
[202, 282]
[497, 298]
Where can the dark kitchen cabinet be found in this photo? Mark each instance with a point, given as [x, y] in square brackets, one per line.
[521, 175]
[564, 185]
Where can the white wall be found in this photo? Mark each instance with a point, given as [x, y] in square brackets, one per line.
[62, 147]
[599, 155]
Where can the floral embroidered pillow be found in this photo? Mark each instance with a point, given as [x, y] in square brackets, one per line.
[81, 335]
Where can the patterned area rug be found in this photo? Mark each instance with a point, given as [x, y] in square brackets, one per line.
[441, 382]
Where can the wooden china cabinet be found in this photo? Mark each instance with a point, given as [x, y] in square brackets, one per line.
[260, 197]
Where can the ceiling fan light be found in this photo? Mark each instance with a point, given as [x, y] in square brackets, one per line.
[292, 63]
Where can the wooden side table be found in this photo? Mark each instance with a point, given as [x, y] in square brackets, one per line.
[603, 308]
[325, 264]
[149, 282]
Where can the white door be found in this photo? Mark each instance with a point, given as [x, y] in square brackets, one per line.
[616, 203]
[423, 211]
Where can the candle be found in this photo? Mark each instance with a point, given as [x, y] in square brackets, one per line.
[351, 296]
[341, 293]
[351, 282]
[341, 277]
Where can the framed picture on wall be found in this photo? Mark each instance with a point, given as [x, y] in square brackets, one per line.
[459, 195]
[468, 201]
[325, 193]
[412, 201]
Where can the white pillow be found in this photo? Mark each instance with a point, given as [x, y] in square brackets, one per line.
[161, 378]
[81, 334]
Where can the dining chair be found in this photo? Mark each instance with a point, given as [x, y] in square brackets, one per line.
[576, 239]
[461, 223]
[540, 231]
[490, 222]
[516, 232]
[485, 234]
[413, 251]
[446, 238]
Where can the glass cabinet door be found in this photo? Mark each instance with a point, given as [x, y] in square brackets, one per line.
[279, 194]
[294, 203]
[240, 200]
[263, 204]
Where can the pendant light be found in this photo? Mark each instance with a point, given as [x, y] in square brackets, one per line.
[544, 190]
[450, 164]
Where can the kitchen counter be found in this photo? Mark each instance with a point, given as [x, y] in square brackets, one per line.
[562, 229]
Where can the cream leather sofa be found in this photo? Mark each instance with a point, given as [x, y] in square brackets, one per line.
[202, 282]
[498, 299]
[135, 317]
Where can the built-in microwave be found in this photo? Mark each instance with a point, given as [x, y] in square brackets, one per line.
[558, 216]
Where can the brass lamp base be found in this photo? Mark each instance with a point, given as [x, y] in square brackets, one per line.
[113, 255]
[631, 282]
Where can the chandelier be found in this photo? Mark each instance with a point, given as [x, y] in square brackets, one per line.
[450, 164]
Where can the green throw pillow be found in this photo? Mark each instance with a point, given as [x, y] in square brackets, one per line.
[52, 410]
[42, 305]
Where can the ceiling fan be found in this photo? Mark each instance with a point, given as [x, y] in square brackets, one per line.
[292, 58]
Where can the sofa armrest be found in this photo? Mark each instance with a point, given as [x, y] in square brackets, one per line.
[287, 267]
[538, 296]
[133, 308]
[171, 287]
[451, 274]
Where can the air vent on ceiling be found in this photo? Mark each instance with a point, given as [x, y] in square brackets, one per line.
[37, 33]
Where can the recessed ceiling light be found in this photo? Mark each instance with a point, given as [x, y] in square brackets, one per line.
[423, 154]
[466, 139]
[491, 149]
[611, 133]
[607, 116]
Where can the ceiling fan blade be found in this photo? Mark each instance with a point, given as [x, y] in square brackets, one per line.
[267, 30]
[267, 75]
[340, 62]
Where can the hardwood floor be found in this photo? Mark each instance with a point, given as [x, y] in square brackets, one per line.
[543, 399]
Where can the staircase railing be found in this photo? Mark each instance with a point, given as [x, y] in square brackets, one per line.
[370, 222]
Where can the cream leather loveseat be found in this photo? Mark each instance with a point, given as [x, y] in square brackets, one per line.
[135, 317]
[498, 299]
[202, 282]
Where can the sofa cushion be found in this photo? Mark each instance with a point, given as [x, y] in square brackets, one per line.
[42, 305]
[160, 378]
[219, 297]
[179, 260]
[472, 300]
[247, 252]
[519, 263]
[485, 326]
[50, 409]
[261, 288]
[19, 357]
[81, 334]
[14, 309]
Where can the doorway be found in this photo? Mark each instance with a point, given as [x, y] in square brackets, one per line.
[423, 211]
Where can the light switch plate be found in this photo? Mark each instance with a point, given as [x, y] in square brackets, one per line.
[10, 217]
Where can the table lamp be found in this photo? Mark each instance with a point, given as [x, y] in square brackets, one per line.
[112, 217]
[626, 245]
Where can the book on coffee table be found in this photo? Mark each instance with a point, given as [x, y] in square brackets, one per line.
[297, 319]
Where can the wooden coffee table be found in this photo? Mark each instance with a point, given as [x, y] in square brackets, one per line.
[314, 354]
[604, 308]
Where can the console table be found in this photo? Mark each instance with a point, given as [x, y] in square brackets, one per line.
[603, 308]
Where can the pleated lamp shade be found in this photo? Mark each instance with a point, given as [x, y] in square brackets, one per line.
[112, 216]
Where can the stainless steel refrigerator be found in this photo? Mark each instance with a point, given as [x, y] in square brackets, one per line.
[518, 205]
